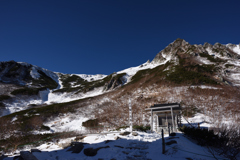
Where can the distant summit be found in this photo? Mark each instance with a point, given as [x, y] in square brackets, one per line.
[183, 49]
[25, 74]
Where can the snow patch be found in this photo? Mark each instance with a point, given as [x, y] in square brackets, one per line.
[133, 70]
[21, 103]
[44, 95]
[90, 78]
[67, 124]
[237, 49]
[67, 97]
[200, 119]
[34, 73]
[204, 87]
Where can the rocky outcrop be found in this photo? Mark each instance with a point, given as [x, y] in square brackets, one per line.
[124, 133]
[220, 56]
[183, 49]
[116, 81]
[25, 74]
[13, 72]
[177, 48]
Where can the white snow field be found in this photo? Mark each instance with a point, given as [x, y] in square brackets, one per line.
[130, 72]
[144, 146]
[90, 78]
[237, 49]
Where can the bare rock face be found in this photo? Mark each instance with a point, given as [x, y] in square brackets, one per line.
[12, 72]
[207, 45]
[173, 50]
[124, 133]
[221, 57]
[181, 48]
[20, 73]
[114, 82]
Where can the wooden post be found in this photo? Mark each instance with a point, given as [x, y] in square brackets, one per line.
[163, 143]
[130, 116]
[180, 119]
[151, 119]
[173, 128]
[168, 130]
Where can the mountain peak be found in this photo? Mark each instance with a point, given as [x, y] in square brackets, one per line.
[181, 48]
[179, 40]
[25, 74]
[179, 45]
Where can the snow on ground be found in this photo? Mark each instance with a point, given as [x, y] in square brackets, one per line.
[204, 60]
[133, 70]
[210, 52]
[44, 95]
[200, 119]
[21, 103]
[237, 49]
[205, 87]
[90, 78]
[235, 77]
[67, 97]
[49, 97]
[67, 123]
[34, 73]
[141, 147]
[234, 62]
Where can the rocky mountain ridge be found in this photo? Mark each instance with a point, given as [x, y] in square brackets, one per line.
[182, 48]
[24, 74]
[223, 58]
[24, 85]
[180, 63]
[204, 82]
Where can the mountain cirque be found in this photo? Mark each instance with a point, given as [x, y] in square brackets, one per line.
[205, 79]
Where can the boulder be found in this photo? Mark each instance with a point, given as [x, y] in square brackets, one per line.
[134, 133]
[116, 138]
[35, 150]
[124, 133]
[78, 138]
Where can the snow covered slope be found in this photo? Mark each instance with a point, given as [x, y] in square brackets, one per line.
[220, 62]
[91, 77]
[141, 147]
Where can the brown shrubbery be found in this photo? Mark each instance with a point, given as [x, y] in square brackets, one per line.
[112, 108]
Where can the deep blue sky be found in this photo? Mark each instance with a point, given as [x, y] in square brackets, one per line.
[105, 36]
